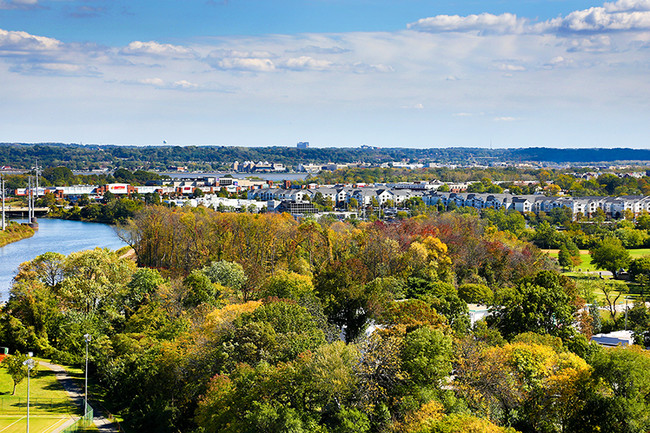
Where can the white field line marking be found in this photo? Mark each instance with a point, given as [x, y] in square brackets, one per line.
[54, 426]
[19, 419]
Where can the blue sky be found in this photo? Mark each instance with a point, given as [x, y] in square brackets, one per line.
[333, 72]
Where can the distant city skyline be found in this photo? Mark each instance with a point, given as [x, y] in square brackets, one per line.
[335, 73]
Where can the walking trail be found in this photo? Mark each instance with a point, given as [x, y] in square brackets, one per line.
[77, 395]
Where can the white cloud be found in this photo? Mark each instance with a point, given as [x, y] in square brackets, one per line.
[510, 67]
[54, 69]
[241, 54]
[628, 5]
[483, 23]
[18, 4]
[460, 77]
[23, 41]
[245, 64]
[623, 15]
[307, 63]
[598, 19]
[593, 44]
[152, 48]
[159, 83]
[365, 68]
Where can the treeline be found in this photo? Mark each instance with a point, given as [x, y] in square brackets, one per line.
[76, 156]
[260, 323]
[63, 176]
[112, 210]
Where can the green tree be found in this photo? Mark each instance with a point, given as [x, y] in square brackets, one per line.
[610, 254]
[617, 397]
[229, 274]
[14, 364]
[540, 304]
[475, 293]
[199, 289]
[546, 235]
[427, 356]
[564, 257]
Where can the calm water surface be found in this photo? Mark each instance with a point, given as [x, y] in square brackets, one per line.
[60, 236]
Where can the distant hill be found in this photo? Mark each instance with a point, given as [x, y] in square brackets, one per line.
[90, 156]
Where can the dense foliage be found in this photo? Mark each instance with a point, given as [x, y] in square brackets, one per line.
[261, 323]
[76, 156]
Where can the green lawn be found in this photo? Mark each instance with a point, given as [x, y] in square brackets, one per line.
[47, 396]
[640, 252]
[37, 424]
[585, 258]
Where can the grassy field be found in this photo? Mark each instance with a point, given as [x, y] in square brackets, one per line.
[37, 424]
[47, 396]
[585, 258]
[640, 252]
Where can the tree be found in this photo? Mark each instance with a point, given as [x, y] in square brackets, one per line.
[16, 369]
[617, 397]
[108, 197]
[475, 293]
[610, 254]
[93, 276]
[564, 257]
[48, 269]
[229, 274]
[59, 176]
[539, 304]
[288, 285]
[640, 267]
[144, 282]
[200, 289]
[427, 356]
[528, 385]
[546, 236]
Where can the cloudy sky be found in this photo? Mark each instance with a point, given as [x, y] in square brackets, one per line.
[407, 73]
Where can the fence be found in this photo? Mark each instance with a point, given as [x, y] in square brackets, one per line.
[82, 424]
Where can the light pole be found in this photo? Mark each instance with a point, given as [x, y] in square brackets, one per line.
[29, 363]
[87, 338]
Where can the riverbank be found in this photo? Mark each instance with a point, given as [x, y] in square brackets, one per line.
[15, 232]
[59, 236]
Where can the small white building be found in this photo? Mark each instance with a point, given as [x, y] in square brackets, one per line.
[613, 339]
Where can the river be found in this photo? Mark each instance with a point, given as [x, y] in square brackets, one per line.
[60, 236]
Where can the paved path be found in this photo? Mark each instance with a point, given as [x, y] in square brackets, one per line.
[76, 394]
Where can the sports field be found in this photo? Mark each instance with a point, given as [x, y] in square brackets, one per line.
[50, 407]
[37, 424]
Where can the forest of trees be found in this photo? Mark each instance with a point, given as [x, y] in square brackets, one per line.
[261, 323]
[77, 156]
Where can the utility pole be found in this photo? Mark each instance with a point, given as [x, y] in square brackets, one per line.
[2, 186]
[29, 199]
[36, 183]
[29, 363]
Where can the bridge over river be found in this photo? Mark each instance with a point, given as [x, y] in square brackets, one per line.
[21, 212]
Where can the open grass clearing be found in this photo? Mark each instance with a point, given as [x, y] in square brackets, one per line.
[585, 259]
[37, 424]
[47, 396]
